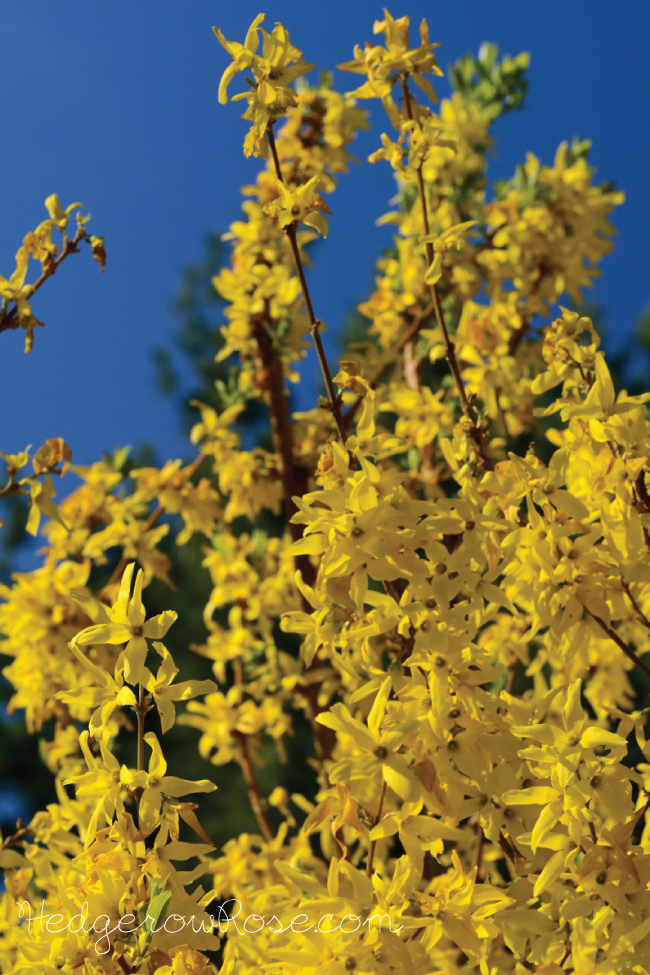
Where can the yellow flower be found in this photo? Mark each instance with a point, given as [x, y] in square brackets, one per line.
[165, 693]
[300, 204]
[339, 809]
[274, 70]
[379, 748]
[15, 289]
[384, 65]
[442, 243]
[101, 782]
[58, 215]
[156, 785]
[600, 404]
[41, 494]
[110, 694]
[242, 55]
[279, 65]
[458, 909]
[124, 622]
[418, 833]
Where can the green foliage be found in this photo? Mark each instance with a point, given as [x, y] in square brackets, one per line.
[496, 87]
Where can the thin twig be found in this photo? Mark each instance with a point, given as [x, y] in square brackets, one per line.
[507, 848]
[124, 965]
[644, 619]
[613, 635]
[420, 319]
[294, 484]
[450, 352]
[373, 843]
[517, 336]
[512, 675]
[640, 813]
[141, 709]
[15, 487]
[251, 787]
[478, 849]
[9, 319]
[247, 771]
[18, 837]
[314, 324]
[294, 475]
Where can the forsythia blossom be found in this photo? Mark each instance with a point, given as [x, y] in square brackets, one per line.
[425, 599]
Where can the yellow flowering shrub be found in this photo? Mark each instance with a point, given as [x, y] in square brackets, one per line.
[439, 575]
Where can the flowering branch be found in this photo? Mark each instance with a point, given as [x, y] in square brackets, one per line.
[314, 323]
[450, 353]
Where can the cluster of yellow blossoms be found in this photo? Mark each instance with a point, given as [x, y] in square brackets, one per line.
[461, 621]
[15, 309]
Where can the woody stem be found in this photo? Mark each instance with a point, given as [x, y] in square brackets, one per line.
[643, 618]
[314, 324]
[373, 843]
[124, 965]
[247, 771]
[141, 711]
[613, 635]
[294, 475]
[450, 351]
[9, 319]
[294, 483]
[478, 849]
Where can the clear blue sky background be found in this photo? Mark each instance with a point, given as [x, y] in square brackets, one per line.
[115, 105]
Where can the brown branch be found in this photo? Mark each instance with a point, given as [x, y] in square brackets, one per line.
[507, 848]
[247, 770]
[640, 813]
[14, 487]
[294, 484]
[512, 676]
[642, 493]
[324, 737]
[644, 619]
[413, 329]
[17, 838]
[373, 843]
[613, 635]
[9, 319]
[251, 787]
[517, 336]
[124, 965]
[478, 849]
[476, 433]
[294, 476]
[140, 709]
[641, 501]
[314, 324]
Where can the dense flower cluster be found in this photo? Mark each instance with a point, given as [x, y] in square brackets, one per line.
[459, 620]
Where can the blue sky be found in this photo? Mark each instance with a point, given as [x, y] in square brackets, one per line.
[115, 105]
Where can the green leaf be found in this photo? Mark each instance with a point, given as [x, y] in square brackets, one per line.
[117, 459]
[155, 911]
